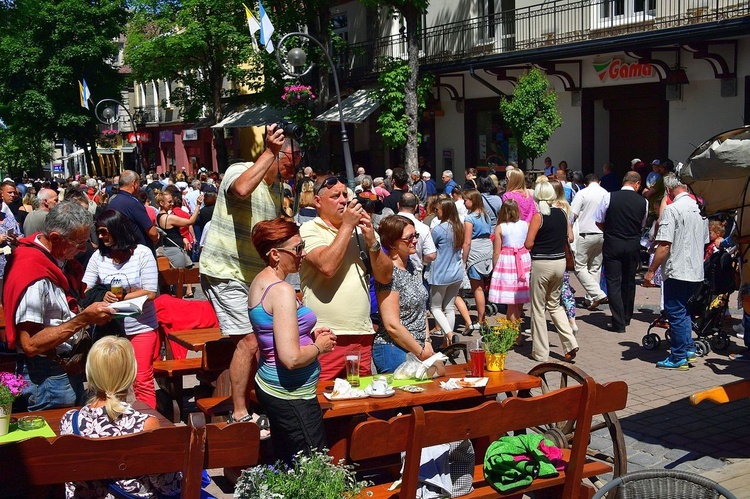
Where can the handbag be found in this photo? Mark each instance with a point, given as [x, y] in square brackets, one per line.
[75, 361]
[570, 261]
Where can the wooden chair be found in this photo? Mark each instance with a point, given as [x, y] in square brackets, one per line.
[411, 433]
[38, 462]
[178, 278]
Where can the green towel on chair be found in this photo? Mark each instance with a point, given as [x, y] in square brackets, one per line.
[506, 470]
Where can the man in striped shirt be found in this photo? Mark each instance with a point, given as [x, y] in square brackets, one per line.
[249, 193]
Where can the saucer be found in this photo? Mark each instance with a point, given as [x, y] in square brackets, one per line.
[388, 393]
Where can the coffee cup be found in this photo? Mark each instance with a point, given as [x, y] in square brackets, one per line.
[379, 385]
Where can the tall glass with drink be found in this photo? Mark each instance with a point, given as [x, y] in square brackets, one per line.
[352, 359]
[477, 360]
[117, 288]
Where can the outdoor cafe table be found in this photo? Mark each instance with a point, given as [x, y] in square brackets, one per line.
[54, 416]
[338, 415]
[195, 339]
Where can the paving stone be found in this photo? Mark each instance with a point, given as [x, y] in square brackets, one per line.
[643, 459]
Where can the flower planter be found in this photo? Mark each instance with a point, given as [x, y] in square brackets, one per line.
[5, 410]
[495, 361]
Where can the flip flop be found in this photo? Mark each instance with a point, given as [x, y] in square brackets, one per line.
[740, 356]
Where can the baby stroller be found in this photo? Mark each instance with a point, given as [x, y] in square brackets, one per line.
[707, 307]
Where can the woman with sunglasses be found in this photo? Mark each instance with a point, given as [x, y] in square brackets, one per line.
[288, 370]
[401, 301]
[120, 259]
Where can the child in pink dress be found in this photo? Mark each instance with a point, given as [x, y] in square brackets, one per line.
[511, 261]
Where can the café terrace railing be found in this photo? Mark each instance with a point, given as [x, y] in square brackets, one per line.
[552, 23]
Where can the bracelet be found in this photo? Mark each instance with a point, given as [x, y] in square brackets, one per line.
[317, 348]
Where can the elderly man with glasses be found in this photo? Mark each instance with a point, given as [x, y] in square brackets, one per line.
[342, 250]
[249, 193]
[44, 323]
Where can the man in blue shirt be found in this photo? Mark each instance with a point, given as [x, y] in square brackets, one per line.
[549, 168]
[449, 182]
[431, 186]
[126, 203]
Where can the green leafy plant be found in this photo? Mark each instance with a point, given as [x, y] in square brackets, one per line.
[532, 114]
[310, 477]
[502, 337]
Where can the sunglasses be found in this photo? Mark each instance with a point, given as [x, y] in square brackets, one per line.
[410, 238]
[330, 182]
[296, 250]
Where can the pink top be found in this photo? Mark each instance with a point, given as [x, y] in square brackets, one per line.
[526, 204]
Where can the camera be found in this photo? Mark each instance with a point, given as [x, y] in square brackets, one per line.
[291, 130]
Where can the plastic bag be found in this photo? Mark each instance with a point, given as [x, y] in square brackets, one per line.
[409, 368]
[413, 368]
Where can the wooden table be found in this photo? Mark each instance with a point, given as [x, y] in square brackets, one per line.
[339, 415]
[54, 416]
[195, 339]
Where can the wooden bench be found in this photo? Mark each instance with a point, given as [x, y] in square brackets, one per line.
[169, 374]
[178, 278]
[39, 462]
[374, 439]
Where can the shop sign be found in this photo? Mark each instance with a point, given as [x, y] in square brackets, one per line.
[190, 135]
[140, 137]
[166, 136]
[617, 69]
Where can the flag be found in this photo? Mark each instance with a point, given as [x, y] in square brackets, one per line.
[266, 29]
[85, 93]
[3, 125]
[252, 23]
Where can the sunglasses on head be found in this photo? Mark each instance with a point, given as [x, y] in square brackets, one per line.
[330, 182]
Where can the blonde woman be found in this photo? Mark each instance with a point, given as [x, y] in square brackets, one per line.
[477, 249]
[567, 293]
[307, 209]
[110, 371]
[545, 240]
[516, 190]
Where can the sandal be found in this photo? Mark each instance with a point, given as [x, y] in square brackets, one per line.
[261, 420]
[189, 295]
[474, 326]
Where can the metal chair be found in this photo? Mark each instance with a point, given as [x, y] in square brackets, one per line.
[656, 484]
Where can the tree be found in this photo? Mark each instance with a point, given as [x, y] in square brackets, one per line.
[411, 10]
[532, 114]
[393, 122]
[46, 47]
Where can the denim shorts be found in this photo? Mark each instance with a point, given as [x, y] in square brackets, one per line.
[49, 386]
[387, 357]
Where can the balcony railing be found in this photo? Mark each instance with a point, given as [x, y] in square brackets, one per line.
[552, 23]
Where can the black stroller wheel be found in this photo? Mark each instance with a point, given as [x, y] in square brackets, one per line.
[701, 348]
[720, 341]
[651, 341]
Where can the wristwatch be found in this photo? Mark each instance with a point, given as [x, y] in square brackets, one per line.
[375, 247]
[428, 340]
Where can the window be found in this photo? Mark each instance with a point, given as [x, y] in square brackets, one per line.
[619, 12]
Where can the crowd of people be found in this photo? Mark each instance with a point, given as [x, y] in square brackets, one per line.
[303, 270]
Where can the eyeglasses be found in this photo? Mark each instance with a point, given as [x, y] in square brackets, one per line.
[330, 182]
[296, 250]
[294, 154]
[102, 231]
[410, 238]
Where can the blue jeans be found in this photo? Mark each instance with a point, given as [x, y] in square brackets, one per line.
[49, 386]
[387, 357]
[676, 295]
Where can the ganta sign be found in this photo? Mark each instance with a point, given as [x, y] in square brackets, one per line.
[616, 69]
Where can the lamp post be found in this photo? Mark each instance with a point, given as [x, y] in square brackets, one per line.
[108, 115]
[297, 59]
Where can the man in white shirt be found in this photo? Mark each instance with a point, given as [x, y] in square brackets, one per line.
[426, 251]
[588, 253]
[192, 196]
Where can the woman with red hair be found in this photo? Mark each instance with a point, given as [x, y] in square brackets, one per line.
[288, 370]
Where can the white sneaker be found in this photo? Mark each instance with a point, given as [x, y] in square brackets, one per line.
[739, 330]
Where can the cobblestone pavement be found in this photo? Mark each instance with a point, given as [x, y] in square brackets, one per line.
[661, 429]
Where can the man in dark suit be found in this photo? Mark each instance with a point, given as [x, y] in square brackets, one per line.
[621, 216]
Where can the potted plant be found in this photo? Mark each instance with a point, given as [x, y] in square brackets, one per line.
[310, 477]
[297, 94]
[11, 386]
[498, 340]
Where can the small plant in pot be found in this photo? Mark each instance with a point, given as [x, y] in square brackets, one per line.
[498, 341]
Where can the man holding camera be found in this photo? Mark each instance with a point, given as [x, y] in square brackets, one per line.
[249, 193]
[340, 243]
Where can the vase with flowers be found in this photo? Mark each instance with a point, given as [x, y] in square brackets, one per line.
[296, 95]
[11, 386]
[313, 476]
[498, 341]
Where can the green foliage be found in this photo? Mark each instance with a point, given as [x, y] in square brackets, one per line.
[393, 121]
[502, 337]
[46, 47]
[23, 152]
[311, 477]
[532, 113]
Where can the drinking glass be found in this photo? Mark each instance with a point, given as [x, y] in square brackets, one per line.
[351, 359]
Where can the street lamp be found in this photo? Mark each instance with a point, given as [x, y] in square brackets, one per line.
[109, 115]
[297, 59]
